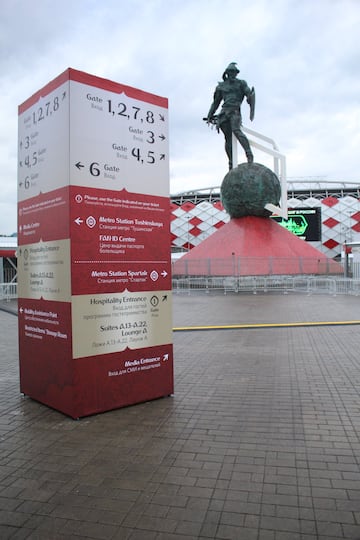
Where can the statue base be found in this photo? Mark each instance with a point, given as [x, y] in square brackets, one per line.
[253, 245]
[247, 188]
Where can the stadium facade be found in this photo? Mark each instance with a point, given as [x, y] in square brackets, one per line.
[326, 214]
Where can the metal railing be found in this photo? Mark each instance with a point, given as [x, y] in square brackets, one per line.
[8, 291]
[332, 285]
[268, 284]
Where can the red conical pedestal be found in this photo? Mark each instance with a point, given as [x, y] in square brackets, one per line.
[254, 246]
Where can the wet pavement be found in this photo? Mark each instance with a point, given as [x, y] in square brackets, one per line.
[260, 441]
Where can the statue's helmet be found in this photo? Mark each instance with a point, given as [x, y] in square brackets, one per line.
[231, 67]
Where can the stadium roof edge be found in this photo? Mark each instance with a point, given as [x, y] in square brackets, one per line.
[293, 185]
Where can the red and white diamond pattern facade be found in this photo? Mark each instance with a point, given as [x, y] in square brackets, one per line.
[192, 223]
[340, 222]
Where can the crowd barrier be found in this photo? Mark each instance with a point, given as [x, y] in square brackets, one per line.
[8, 291]
[268, 284]
[248, 284]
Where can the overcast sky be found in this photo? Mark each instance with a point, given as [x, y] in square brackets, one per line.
[302, 57]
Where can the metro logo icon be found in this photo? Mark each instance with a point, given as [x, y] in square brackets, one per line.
[94, 231]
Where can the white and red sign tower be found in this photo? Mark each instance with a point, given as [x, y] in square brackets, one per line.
[94, 265]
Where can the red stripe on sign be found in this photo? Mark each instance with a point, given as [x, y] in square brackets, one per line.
[117, 88]
[97, 82]
[50, 87]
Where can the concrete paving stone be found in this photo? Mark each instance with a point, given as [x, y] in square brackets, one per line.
[242, 507]
[288, 512]
[24, 533]
[187, 514]
[268, 509]
[232, 518]
[351, 531]
[285, 500]
[85, 529]
[12, 518]
[124, 533]
[330, 530]
[280, 524]
[177, 536]
[287, 536]
[207, 482]
[350, 505]
[304, 491]
[306, 513]
[7, 504]
[194, 491]
[189, 528]
[270, 488]
[305, 502]
[170, 500]
[308, 527]
[266, 535]
[157, 524]
[198, 503]
[284, 489]
[208, 530]
[260, 440]
[230, 532]
[335, 516]
[320, 482]
[325, 503]
[34, 507]
[46, 524]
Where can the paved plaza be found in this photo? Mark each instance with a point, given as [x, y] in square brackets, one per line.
[260, 441]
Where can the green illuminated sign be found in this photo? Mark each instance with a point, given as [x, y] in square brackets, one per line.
[304, 222]
[296, 225]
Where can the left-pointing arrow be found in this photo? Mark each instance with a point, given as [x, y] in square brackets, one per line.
[78, 221]
[79, 165]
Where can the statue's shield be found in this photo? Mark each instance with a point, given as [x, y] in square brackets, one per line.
[251, 101]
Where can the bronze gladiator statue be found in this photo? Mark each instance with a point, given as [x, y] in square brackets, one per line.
[232, 92]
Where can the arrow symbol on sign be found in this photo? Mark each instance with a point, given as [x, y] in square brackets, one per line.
[162, 137]
[64, 95]
[79, 165]
[164, 297]
[162, 117]
[21, 310]
[164, 273]
[78, 221]
[162, 156]
[165, 357]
